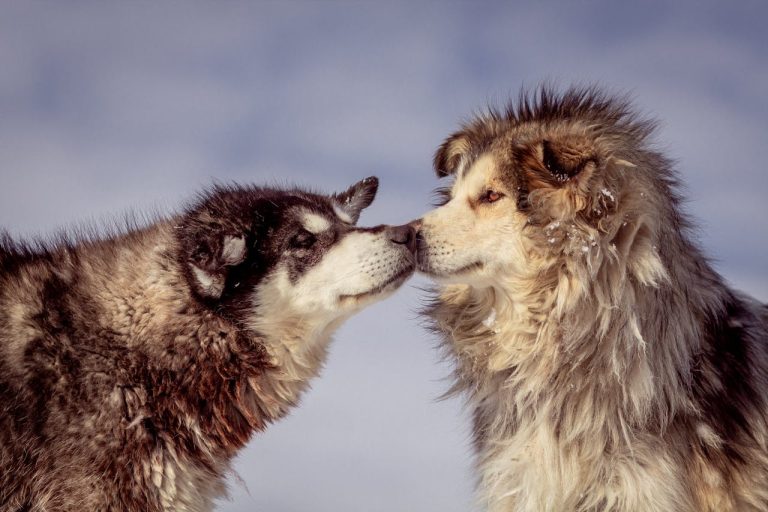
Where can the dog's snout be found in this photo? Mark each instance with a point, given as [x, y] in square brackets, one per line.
[418, 235]
[404, 235]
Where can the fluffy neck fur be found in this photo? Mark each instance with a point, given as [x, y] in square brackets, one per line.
[562, 375]
[229, 380]
[166, 390]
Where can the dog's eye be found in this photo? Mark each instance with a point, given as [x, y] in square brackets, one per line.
[491, 196]
[303, 240]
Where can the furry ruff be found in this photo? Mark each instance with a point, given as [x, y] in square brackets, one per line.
[134, 367]
[606, 365]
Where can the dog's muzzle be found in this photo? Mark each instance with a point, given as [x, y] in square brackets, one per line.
[419, 243]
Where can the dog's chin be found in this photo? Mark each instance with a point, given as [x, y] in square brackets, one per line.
[380, 291]
[456, 275]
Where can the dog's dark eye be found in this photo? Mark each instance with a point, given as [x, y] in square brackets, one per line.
[303, 240]
[491, 196]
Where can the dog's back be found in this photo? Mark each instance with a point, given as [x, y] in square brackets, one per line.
[69, 315]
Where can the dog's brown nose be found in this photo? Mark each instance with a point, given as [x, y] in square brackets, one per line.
[403, 235]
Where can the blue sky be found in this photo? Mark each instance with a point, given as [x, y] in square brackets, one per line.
[109, 107]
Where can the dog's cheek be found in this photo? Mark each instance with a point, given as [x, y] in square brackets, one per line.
[578, 196]
[548, 205]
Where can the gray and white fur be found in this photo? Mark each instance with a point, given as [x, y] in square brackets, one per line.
[607, 366]
[134, 367]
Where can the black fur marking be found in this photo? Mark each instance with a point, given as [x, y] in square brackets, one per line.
[724, 377]
[267, 220]
[521, 200]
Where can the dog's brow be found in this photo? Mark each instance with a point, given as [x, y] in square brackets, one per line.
[475, 173]
[315, 223]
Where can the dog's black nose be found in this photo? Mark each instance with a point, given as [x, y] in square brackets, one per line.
[403, 235]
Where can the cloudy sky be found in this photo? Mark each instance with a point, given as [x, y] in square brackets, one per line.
[110, 107]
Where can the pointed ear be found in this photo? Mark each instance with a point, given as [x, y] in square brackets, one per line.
[448, 156]
[210, 255]
[356, 198]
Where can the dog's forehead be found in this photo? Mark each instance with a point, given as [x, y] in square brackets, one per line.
[317, 212]
[477, 174]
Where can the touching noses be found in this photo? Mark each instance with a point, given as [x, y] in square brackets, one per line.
[404, 235]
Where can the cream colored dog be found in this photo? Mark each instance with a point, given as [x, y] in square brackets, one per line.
[607, 366]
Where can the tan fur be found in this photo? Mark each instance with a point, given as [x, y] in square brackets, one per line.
[590, 334]
[133, 368]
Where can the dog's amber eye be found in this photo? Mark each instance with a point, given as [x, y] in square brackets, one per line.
[491, 196]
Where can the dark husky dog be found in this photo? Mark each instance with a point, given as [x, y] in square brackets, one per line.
[132, 369]
[608, 367]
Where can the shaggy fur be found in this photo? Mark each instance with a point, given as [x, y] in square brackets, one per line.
[606, 364]
[133, 368]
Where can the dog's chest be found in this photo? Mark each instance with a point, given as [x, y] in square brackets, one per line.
[536, 467]
[180, 484]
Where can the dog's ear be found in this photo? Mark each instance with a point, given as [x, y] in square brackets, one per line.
[562, 162]
[213, 238]
[210, 256]
[357, 197]
[565, 159]
[448, 156]
[560, 175]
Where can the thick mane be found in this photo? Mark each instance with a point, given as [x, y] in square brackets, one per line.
[611, 114]
[611, 368]
[546, 102]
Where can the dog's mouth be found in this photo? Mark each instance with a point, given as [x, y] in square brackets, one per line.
[390, 284]
[427, 269]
